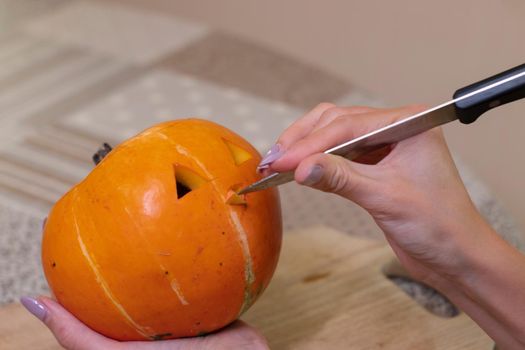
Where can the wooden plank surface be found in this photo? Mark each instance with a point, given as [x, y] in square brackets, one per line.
[328, 293]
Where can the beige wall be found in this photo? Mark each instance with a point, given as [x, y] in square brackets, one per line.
[403, 51]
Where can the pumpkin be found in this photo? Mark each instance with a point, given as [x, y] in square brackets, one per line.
[155, 243]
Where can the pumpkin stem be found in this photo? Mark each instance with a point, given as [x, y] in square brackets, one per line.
[101, 153]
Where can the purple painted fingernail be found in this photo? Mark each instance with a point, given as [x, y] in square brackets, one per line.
[35, 307]
[316, 173]
[271, 156]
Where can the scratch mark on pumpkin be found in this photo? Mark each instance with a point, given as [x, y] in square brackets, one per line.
[249, 275]
[103, 283]
[176, 288]
[162, 136]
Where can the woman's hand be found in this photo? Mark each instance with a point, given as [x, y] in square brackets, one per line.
[74, 335]
[414, 193]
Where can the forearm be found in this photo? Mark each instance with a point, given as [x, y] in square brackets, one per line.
[491, 288]
[494, 328]
[497, 284]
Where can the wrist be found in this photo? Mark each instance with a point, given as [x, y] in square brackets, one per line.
[460, 247]
[462, 242]
[477, 246]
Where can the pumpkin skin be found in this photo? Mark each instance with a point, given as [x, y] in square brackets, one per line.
[133, 261]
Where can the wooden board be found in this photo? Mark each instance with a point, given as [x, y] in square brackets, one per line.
[328, 293]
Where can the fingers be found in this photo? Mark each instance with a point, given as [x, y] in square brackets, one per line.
[74, 335]
[238, 335]
[429, 146]
[335, 174]
[339, 130]
[304, 125]
[333, 113]
[317, 118]
[299, 129]
[70, 332]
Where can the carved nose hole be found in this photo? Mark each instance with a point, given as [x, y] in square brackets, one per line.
[232, 198]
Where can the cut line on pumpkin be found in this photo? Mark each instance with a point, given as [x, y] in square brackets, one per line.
[249, 275]
[103, 283]
[239, 155]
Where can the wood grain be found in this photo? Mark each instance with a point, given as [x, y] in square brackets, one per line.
[328, 292]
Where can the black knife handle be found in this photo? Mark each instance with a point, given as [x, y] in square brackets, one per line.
[471, 108]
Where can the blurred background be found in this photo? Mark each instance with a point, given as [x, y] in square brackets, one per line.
[74, 74]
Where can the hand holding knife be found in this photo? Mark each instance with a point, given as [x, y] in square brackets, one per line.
[467, 105]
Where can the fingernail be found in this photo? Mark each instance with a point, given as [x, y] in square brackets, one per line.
[316, 173]
[271, 156]
[262, 168]
[35, 307]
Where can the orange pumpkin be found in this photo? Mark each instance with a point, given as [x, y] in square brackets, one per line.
[155, 244]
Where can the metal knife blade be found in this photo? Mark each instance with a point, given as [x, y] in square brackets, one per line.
[470, 102]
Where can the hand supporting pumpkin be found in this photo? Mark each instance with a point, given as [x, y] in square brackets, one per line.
[74, 335]
[415, 194]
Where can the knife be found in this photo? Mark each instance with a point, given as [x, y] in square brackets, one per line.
[467, 105]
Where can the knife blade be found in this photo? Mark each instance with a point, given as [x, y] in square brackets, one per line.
[467, 105]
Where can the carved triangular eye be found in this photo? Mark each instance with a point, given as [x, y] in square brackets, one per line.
[239, 155]
[186, 180]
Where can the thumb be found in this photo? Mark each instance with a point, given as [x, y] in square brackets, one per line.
[335, 174]
[70, 332]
